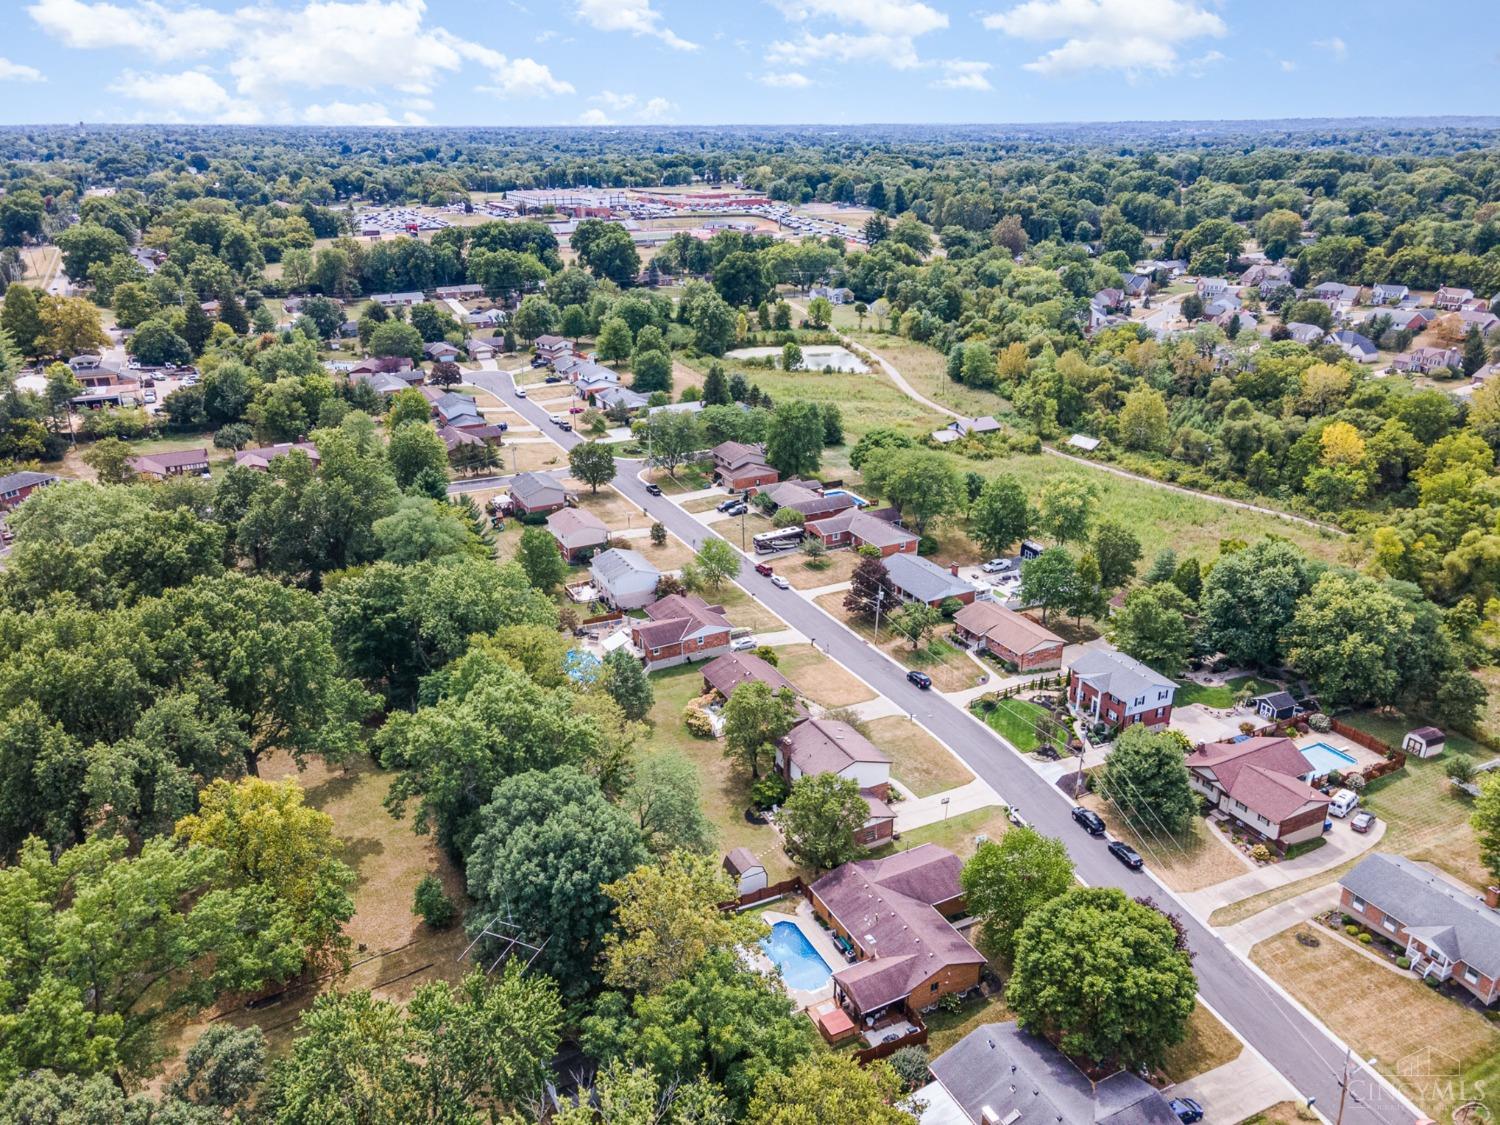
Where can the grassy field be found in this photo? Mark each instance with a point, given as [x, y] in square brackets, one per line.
[949, 667]
[1426, 819]
[959, 834]
[1220, 695]
[724, 787]
[1438, 1052]
[1391, 728]
[820, 678]
[393, 952]
[742, 609]
[1015, 721]
[919, 761]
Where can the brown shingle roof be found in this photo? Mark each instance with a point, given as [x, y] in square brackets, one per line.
[828, 746]
[1017, 632]
[679, 616]
[727, 672]
[574, 528]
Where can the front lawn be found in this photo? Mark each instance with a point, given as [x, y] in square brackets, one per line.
[1438, 1052]
[820, 678]
[1188, 862]
[1209, 1044]
[949, 666]
[919, 761]
[1219, 695]
[958, 834]
[1013, 720]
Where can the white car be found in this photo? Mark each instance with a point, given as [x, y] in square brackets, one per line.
[520, 392]
[995, 566]
[742, 644]
[780, 583]
[556, 419]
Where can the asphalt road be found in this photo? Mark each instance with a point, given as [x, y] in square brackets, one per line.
[1293, 1043]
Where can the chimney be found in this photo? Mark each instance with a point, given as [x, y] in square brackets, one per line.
[953, 568]
[1492, 897]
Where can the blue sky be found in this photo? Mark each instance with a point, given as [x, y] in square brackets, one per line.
[598, 62]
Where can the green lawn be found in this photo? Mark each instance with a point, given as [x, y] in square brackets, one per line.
[1015, 721]
[1391, 729]
[1224, 695]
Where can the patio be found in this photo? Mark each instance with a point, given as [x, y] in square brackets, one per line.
[801, 915]
[1362, 757]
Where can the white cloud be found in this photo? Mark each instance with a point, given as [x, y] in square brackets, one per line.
[163, 32]
[788, 80]
[962, 74]
[637, 17]
[1334, 46]
[192, 95]
[656, 109]
[612, 103]
[1135, 36]
[16, 72]
[594, 117]
[887, 17]
[348, 113]
[1287, 66]
[1201, 65]
[840, 47]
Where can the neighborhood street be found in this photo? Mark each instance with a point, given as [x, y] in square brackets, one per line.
[1289, 1038]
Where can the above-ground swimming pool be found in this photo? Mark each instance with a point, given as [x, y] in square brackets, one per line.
[859, 501]
[793, 954]
[1324, 759]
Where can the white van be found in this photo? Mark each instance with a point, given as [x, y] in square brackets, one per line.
[1345, 801]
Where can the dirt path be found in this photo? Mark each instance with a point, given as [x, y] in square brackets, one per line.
[912, 393]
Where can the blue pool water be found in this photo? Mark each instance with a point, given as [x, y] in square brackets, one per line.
[800, 965]
[859, 501]
[1324, 759]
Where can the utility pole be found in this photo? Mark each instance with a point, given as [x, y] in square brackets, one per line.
[879, 599]
[1343, 1089]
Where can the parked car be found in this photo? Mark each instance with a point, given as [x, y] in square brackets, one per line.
[538, 361]
[554, 418]
[780, 583]
[1188, 1110]
[575, 410]
[1126, 854]
[921, 679]
[553, 378]
[995, 566]
[737, 509]
[1344, 802]
[725, 505]
[742, 644]
[1363, 821]
[764, 569]
[565, 425]
[149, 396]
[653, 490]
[1089, 820]
[520, 392]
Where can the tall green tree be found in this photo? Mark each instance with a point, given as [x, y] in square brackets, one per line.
[1152, 626]
[1146, 778]
[794, 441]
[754, 718]
[593, 463]
[662, 798]
[1117, 550]
[1065, 507]
[819, 818]
[1248, 601]
[1050, 580]
[1000, 517]
[628, 685]
[1005, 882]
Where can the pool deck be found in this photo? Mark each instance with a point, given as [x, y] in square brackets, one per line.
[821, 942]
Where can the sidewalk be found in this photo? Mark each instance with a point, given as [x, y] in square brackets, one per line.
[819, 591]
[916, 812]
[1343, 844]
[780, 637]
[1238, 1089]
[1243, 936]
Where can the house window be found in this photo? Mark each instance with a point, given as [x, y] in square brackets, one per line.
[656, 652]
[933, 987]
[1357, 902]
[1471, 976]
[1387, 924]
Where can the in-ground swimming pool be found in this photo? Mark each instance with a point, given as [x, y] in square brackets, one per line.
[793, 954]
[1324, 759]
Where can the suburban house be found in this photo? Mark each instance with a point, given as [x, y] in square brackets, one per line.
[260, 459]
[440, 352]
[1424, 742]
[1388, 293]
[1402, 320]
[480, 348]
[552, 348]
[620, 398]
[1137, 284]
[15, 487]
[742, 467]
[624, 578]
[1449, 932]
[856, 527]
[596, 384]
[94, 377]
[1263, 274]
[383, 383]
[578, 533]
[1451, 299]
[1210, 287]
[894, 913]
[86, 362]
[680, 628]
[1258, 782]
[1000, 1073]
[920, 580]
[808, 498]
[1305, 333]
[468, 292]
[748, 873]
[1359, 348]
[394, 364]
[1013, 637]
[725, 673]
[398, 300]
[163, 465]
[1275, 705]
[457, 410]
[536, 494]
[1428, 360]
[1337, 293]
[1111, 688]
[963, 427]
[1110, 300]
[816, 746]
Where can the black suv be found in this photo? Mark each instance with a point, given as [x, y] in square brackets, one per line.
[1089, 819]
[921, 679]
[1125, 854]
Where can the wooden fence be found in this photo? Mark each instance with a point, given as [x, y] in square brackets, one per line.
[766, 893]
[1361, 738]
[884, 1050]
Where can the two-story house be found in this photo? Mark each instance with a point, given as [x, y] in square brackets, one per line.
[816, 746]
[1111, 688]
[741, 466]
[1259, 782]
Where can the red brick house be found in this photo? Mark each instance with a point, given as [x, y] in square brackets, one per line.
[680, 628]
[1449, 932]
[1013, 637]
[855, 527]
[578, 533]
[817, 746]
[895, 913]
[917, 579]
[15, 487]
[163, 465]
[742, 467]
[1259, 783]
[1109, 687]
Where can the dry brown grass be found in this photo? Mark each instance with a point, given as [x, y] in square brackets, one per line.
[1438, 1052]
[742, 609]
[799, 571]
[1209, 1044]
[820, 678]
[618, 513]
[1191, 863]
[531, 457]
[949, 668]
[919, 761]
